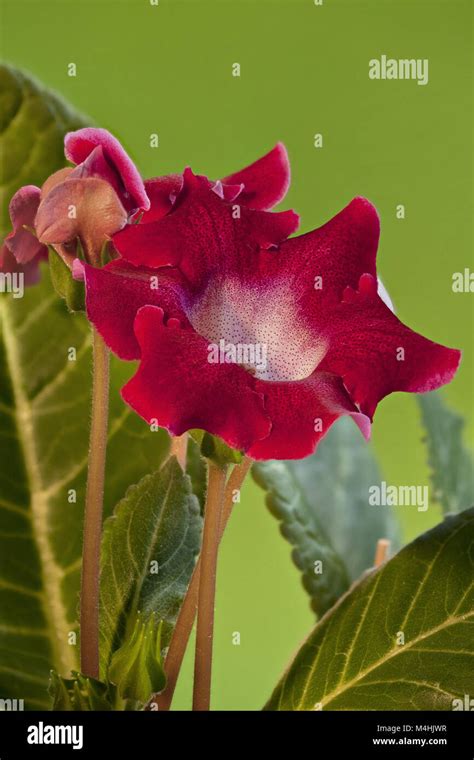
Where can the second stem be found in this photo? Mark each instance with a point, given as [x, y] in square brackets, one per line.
[207, 587]
[93, 510]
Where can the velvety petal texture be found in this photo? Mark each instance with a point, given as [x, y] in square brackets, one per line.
[376, 354]
[204, 233]
[259, 338]
[115, 293]
[260, 185]
[301, 413]
[80, 145]
[265, 182]
[192, 393]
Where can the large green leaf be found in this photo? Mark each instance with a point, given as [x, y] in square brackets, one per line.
[43, 458]
[322, 503]
[451, 464]
[149, 550]
[401, 639]
[44, 411]
[33, 122]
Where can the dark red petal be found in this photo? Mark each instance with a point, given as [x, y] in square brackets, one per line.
[115, 293]
[301, 413]
[162, 192]
[23, 207]
[203, 234]
[376, 354]
[339, 252]
[266, 181]
[80, 144]
[177, 385]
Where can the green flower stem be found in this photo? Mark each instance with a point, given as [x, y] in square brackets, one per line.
[207, 587]
[93, 509]
[187, 614]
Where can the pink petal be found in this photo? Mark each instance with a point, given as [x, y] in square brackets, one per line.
[301, 413]
[266, 181]
[177, 385]
[30, 270]
[80, 144]
[98, 213]
[96, 165]
[376, 354]
[21, 242]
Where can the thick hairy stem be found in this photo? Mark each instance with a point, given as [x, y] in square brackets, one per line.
[187, 615]
[207, 587]
[93, 510]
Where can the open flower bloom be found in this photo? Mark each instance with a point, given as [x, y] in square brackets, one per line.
[262, 340]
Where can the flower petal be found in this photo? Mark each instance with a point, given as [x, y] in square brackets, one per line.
[338, 253]
[21, 242]
[301, 413]
[376, 354]
[162, 192]
[55, 179]
[80, 144]
[203, 234]
[266, 181]
[115, 293]
[86, 208]
[30, 270]
[178, 386]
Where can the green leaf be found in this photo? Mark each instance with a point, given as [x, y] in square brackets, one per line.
[136, 667]
[322, 505]
[80, 693]
[44, 409]
[197, 471]
[213, 447]
[149, 549]
[71, 290]
[33, 123]
[451, 464]
[401, 639]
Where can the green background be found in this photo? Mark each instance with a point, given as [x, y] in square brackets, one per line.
[167, 69]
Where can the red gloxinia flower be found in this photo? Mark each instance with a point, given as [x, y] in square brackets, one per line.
[332, 345]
